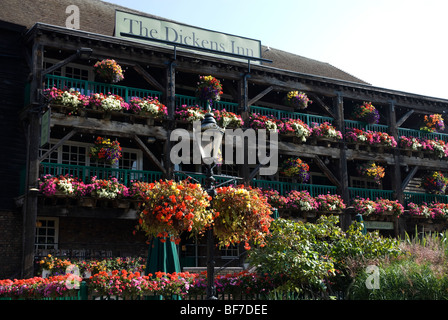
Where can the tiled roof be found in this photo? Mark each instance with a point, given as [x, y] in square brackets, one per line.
[99, 17]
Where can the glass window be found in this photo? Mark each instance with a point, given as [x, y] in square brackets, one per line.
[46, 236]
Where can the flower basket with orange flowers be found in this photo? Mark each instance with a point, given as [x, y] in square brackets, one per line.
[296, 168]
[433, 123]
[371, 170]
[171, 208]
[242, 215]
[108, 70]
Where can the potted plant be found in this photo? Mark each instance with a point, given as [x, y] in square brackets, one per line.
[433, 123]
[188, 114]
[330, 203]
[325, 132]
[148, 107]
[372, 171]
[171, 208]
[366, 113]
[258, 121]
[301, 201]
[209, 89]
[108, 70]
[434, 182]
[71, 99]
[242, 215]
[106, 151]
[296, 128]
[297, 100]
[296, 168]
[229, 119]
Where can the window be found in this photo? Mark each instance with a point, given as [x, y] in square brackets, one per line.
[230, 252]
[365, 183]
[72, 70]
[76, 153]
[47, 231]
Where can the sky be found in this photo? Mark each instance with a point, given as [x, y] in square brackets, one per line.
[394, 44]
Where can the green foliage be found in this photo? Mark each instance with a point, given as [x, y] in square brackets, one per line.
[402, 280]
[311, 256]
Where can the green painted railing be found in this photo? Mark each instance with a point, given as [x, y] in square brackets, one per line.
[420, 198]
[86, 173]
[89, 87]
[200, 178]
[372, 194]
[365, 126]
[422, 134]
[309, 119]
[192, 101]
[285, 187]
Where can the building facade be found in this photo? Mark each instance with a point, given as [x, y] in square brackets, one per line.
[43, 138]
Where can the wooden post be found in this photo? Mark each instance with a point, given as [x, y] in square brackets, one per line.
[170, 101]
[32, 174]
[396, 176]
[338, 104]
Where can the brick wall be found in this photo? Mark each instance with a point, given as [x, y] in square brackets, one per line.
[115, 235]
[10, 244]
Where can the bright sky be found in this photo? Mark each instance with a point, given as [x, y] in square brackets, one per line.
[394, 44]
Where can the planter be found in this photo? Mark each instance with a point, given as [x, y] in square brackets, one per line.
[121, 204]
[87, 202]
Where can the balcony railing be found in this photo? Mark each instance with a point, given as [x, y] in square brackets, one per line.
[219, 105]
[365, 126]
[280, 114]
[86, 173]
[89, 87]
[285, 187]
[420, 198]
[422, 134]
[372, 194]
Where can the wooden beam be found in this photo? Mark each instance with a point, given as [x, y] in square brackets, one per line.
[107, 127]
[57, 145]
[404, 118]
[323, 105]
[149, 154]
[327, 171]
[409, 177]
[259, 96]
[149, 78]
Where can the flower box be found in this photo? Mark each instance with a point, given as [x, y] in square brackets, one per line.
[88, 202]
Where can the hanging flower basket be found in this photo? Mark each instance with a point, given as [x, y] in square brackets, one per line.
[108, 70]
[209, 89]
[433, 123]
[242, 215]
[105, 151]
[297, 100]
[295, 168]
[434, 182]
[366, 113]
[171, 208]
[372, 171]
